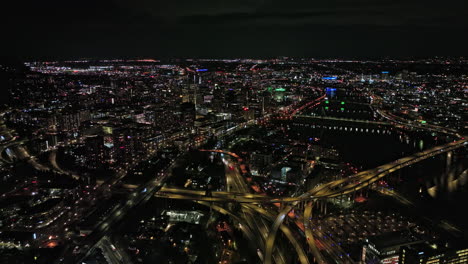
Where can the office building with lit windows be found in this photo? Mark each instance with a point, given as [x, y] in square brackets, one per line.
[425, 253]
[385, 248]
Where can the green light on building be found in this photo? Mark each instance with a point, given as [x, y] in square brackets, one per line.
[342, 109]
[326, 107]
[280, 90]
[423, 122]
[327, 102]
[342, 103]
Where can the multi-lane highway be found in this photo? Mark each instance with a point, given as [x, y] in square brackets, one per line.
[236, 183]
[261, 231]
[329, 190]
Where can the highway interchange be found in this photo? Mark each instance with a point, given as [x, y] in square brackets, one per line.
[332, 189]
[261, 231]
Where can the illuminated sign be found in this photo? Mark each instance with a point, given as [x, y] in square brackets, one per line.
[202, 70]
[329, 78]
[108, 142]
[391, 260]
[208, 98]
[107, 130]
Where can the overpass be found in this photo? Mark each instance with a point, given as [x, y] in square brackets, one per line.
[250, 202]
[5, 145]
[329, 190]
[332, 189]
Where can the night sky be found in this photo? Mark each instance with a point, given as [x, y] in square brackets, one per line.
[234, 28]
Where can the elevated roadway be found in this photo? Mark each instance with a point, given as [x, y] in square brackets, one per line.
[329, 190]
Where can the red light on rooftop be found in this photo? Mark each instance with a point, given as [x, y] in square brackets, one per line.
[51, 244]
[360, 199]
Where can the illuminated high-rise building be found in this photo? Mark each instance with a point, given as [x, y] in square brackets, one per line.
[425, 253]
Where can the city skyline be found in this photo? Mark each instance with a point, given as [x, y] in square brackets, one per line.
[234, 132]
[285, 160]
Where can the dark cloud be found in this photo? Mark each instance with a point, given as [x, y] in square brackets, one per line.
[230, 28]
